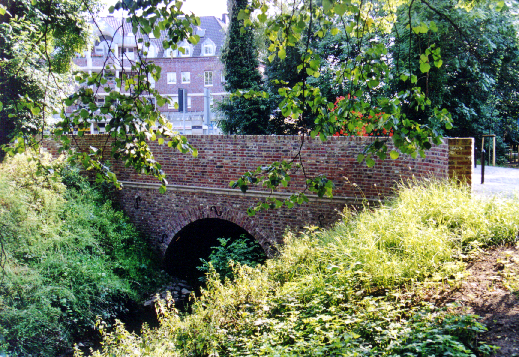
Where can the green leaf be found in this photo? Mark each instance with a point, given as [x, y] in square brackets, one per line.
[373, 83]
[162, 189]
[262, 18]
[370, 162]
[35, 110]
[327, 5]
[242, 15]
[282, 54]
[425, 67]
[360, 158]
[340, 9]
[2, 10]
[393, 154]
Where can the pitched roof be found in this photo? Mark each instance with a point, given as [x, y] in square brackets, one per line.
[213, 26]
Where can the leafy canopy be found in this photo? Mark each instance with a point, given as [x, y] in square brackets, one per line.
[363, 73]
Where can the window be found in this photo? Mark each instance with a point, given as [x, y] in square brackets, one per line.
[186, 77]
[101, 49]
[152, 101]
[169, 53]
[100, 100]
[222, 77]
[208, 78]
[187, 51]
[172, 78]
[173, 101]
[208, 50]
[128, 52]
[189, 102]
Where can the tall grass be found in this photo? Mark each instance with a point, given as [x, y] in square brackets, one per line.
[337, 292]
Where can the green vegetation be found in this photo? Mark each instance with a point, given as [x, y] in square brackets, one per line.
[240, 57]
[38, 40]
[244, 251]
[69, 258]
[353, 290]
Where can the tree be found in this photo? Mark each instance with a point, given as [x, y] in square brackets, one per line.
[477, 81]
[131, 114]
[363, 73]
[240, 57]
[37, 42]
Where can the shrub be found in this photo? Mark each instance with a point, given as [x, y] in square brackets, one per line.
[70, 258]
[244, 251]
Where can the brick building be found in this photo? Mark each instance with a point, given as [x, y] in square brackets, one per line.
[197, 69]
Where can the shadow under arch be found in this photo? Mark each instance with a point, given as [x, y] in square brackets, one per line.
[193, 242]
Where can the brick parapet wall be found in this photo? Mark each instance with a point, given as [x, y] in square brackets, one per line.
[224, 158]
[461, 159]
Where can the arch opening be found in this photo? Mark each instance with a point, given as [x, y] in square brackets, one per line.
[193, 242]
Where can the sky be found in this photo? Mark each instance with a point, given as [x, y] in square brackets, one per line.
[198, 7]
[205, 7]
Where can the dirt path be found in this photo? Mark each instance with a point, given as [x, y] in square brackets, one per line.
[491, 290]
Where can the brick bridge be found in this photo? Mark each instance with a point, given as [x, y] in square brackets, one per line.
[199, 190]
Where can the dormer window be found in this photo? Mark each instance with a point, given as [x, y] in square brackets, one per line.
[169, 53]
[186, 48]
[187, 51]
[208, 48]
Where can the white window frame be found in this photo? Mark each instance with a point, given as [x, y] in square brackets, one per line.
[173, 99]
[187, 51]
[189, 102]
[172, 77]
[208, 74]
[187, 79]
[208, 49]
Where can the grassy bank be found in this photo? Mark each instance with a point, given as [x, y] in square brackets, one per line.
[70, 257]
[353, 290]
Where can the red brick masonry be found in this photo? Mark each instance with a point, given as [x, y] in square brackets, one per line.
[199, 187]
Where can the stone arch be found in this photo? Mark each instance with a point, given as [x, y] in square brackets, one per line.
[236, 216]
[196, 241]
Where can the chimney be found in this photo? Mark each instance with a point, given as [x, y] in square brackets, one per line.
[225, 18]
